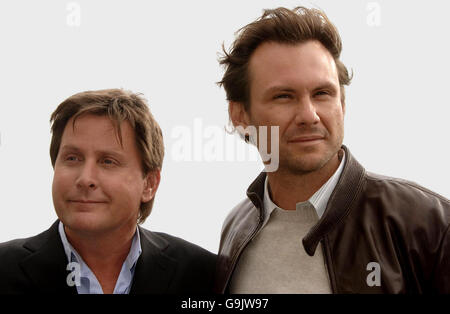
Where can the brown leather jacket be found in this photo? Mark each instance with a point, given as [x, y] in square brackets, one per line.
[369, 218]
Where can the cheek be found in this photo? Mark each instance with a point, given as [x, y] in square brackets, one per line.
[339, 119]
[333, 120]
[126, 188]
[282, 118]
[62, 180]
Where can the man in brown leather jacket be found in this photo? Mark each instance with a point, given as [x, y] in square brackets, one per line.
[317, 222]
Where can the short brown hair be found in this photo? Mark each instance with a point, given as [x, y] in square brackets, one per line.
[279, 25]
[119, 105]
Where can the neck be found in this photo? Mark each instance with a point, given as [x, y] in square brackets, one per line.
[287, 188]
[103, 253]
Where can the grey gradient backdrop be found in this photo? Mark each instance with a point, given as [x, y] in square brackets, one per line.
[397, 106]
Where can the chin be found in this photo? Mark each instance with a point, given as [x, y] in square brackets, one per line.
[83, 222]
[305, 167]
[307, 163]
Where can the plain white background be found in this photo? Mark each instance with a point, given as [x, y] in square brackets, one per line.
[397, 105]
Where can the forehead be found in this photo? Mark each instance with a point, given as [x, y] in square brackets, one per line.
[305, 63]
[98, 130]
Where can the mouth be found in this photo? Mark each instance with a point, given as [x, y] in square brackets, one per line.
[306, 139]
[86, 202]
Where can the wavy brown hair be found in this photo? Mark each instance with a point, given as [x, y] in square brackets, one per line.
[279, 25]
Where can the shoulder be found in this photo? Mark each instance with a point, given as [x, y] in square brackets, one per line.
[13, 251]
[194, 265]
[406, 204]
[404, 185]
[20, 248]
[177, 247]
[406, 192]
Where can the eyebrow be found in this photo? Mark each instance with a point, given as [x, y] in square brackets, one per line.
[286, 88]
[326, 85]
[279, 88]
[100, 152]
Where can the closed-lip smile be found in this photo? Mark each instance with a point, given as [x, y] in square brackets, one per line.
[308, 138]
[86, 201]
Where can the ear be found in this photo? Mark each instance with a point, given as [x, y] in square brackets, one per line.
[238, 114]
[151, 183]
[343, 107]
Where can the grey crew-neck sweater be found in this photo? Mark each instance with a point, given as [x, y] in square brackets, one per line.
[275, 260]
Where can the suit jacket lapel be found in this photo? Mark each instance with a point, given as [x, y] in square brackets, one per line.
[154, 269]
[46, 266]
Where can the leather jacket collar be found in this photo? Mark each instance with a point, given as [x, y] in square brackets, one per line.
[339, 205]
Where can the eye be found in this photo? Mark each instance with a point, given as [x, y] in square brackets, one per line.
[109, 161]
[283, 96]
[71, 158]
[322, 93]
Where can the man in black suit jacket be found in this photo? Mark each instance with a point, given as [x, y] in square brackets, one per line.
[167, 265]
[107, 153]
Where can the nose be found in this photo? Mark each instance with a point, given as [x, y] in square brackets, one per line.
[87, 178]
[306, 113]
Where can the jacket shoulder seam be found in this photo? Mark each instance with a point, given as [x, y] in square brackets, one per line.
[408, 183]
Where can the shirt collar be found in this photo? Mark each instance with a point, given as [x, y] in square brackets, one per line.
[319, 199]
[135, 250]
[73, 256]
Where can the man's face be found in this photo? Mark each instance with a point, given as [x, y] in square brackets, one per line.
[296, 87]
[98, 185]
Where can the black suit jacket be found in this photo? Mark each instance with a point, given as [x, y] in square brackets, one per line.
[167, 264]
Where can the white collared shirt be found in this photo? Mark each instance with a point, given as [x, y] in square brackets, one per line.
[318, 200]
[89, 284]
